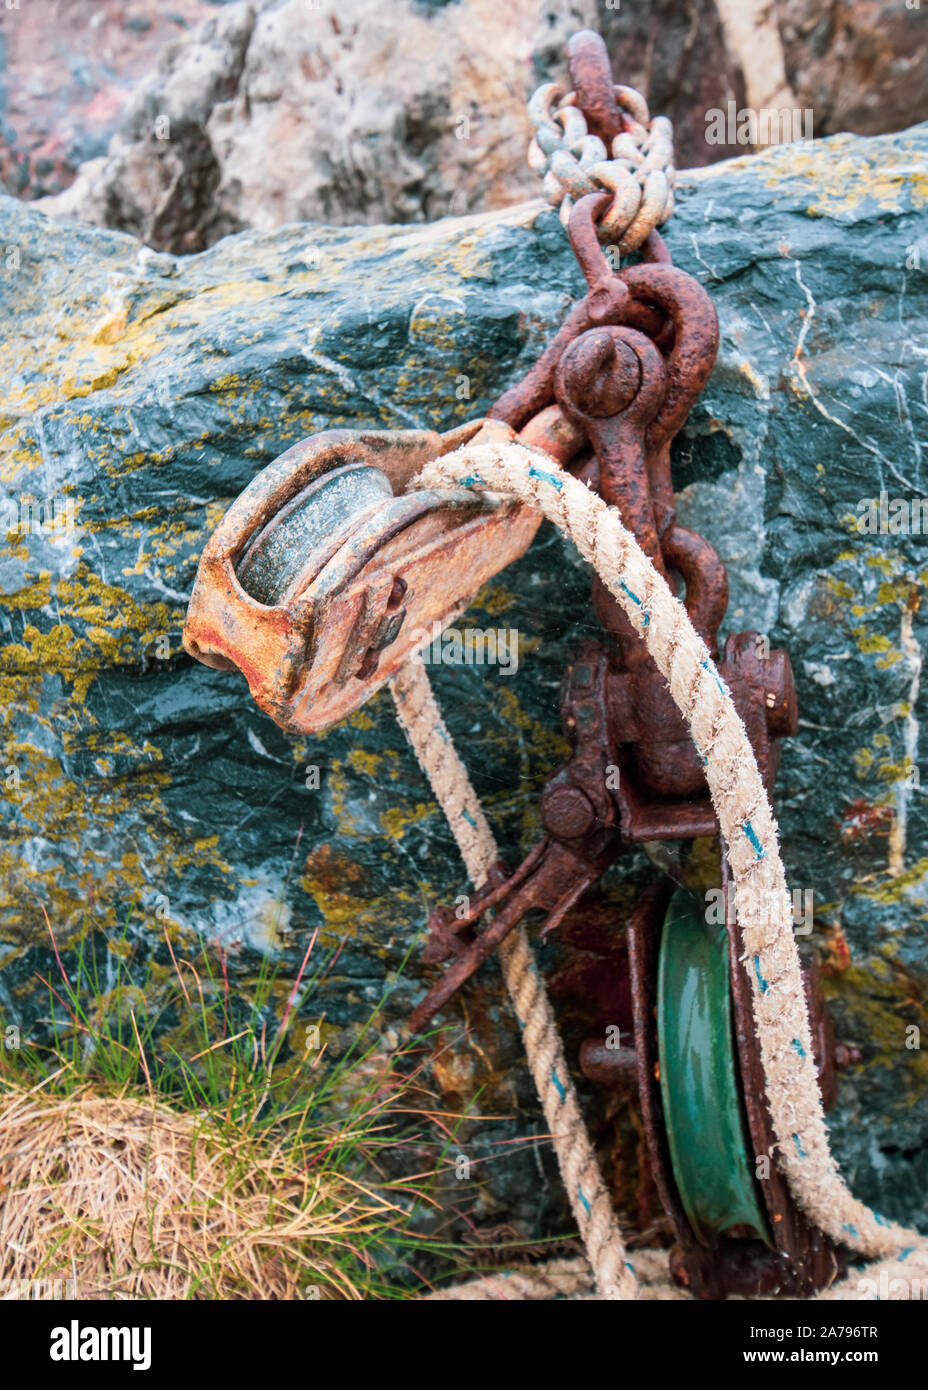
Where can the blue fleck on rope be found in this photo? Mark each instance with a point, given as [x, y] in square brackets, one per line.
[799, 1149]
[760, 979]
[799, 1047]
[709, 666]
[544, 477]
[754, 842]
[557, 1081]
[645, 618]
[586, 1206]
[471, 481]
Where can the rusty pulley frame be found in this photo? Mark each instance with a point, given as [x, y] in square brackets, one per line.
[324, 575]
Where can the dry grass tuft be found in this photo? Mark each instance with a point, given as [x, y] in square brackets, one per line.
[122, 1197]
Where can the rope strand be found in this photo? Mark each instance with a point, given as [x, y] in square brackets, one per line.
[421, 720]
[746, 822]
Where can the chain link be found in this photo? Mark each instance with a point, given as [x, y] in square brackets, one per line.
[638, 171]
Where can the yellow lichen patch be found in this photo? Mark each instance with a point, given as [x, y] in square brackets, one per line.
[876, 762]
[895, 591]
[871, 642]
[81, 362]
[885, 1024]
[339, 789]
[895, 772]
[863, 761]
[437, 320]
[702, 864]
[55, 816]
[839, 587]
[112, 742]
[19, 695]
[115, 623]
[86, 340]
[889, 177]
[57, 649]
[896, 889]
[337, 883]
[496, 599]
[364, 761]
[545, 745]
[397, 820]
[880, 560]
[35, 595]
[204, 843]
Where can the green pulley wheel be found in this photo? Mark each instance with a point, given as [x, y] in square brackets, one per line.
[706, 1132]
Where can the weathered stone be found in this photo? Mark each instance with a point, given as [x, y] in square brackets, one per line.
[65, 78]
[282, 110]
[860, 64]
[140, 786]
[161, 173]
[291, 110]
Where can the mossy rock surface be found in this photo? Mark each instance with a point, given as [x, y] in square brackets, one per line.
[141, 787]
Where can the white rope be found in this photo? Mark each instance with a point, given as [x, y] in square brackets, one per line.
[763, 904]
[592, 1207]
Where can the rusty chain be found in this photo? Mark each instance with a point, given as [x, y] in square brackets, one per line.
[632, 157]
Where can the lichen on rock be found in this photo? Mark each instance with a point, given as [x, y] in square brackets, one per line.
[143, 391]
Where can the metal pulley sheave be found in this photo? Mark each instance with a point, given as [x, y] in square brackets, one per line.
[699, 1081]
[711, 1143]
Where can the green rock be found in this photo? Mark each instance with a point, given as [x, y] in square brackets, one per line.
[144, 789]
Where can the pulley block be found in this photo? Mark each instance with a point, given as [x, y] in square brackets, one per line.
[325, 575]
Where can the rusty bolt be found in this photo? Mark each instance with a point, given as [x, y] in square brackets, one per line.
[397, 593]
[567, 812]
[385, 635]
[609, 1066]
[601, 373]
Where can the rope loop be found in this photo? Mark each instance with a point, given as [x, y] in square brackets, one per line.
[747, 824]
